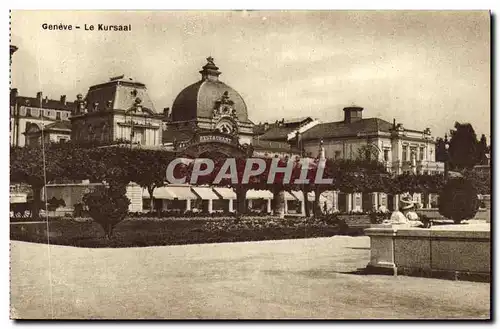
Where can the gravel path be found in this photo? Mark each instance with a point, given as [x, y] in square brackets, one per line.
[287, 279]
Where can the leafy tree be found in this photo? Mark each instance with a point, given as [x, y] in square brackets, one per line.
[482, 151]
[36, 165]
[458, 200]
[148, 169]
[108, 206]
[441, 150]
[463, 147]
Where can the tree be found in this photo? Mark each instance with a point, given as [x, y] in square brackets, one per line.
[463, 147]
[148, 169]
[482, 151]
[108, 206]
[458, 200]
[36, 165]
[441, 150]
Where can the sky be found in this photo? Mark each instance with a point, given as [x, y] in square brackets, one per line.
[423, 68]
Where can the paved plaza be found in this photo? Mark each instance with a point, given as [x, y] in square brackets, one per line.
[287, 279]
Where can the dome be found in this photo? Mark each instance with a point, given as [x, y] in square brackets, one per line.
[201, 98]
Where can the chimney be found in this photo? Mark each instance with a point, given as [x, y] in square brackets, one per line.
[353, 114]
[63, 99]
[13, 95]
[39, 98]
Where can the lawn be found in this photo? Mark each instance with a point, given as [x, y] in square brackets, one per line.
[151, 232]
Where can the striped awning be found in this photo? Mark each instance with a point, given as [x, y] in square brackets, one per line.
[289, 196]
[171, 193]
[298, 195]
[258, 194]
[225, 193]
[205, 193]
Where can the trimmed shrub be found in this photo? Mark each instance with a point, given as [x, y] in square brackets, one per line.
[458, 200]
[108, 206]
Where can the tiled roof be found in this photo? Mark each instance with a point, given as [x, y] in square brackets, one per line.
[171, 135]
[273, 146]
[344, 129]
[46, 104]
[277, 134]
[59, 125]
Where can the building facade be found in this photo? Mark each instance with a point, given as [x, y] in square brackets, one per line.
[117, 110]
[28, 114]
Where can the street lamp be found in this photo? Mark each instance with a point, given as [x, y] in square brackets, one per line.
[447, 156]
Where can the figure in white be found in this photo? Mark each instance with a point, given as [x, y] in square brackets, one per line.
[406, 214]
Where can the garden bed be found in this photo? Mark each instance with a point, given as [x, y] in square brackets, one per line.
[157, 232]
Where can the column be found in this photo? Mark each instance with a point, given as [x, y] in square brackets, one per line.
[375, 200]
[348, 202]
[303, 207]
[210, 206]
[428, 201]
[188, 205]
[286, 205]
[268, 206]
[250, 204]
[231, 209]
[396, 202]
[335, 201]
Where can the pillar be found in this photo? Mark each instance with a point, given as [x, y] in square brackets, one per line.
[375, 200]
[231, 207]
[335, 201]
[188, 205]
[348, 202]
[357, 206]
[285, 205]
[210, 206]
[428, 201]
[250, 203]
[303, 207]
[268, 206]
[396, 202]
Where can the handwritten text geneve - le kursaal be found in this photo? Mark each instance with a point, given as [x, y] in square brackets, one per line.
[87, 27]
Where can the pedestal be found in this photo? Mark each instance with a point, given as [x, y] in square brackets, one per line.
[382, 249]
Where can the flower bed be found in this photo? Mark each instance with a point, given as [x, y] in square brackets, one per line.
[159, 232]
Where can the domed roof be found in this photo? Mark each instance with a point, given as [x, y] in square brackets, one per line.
[201, 98]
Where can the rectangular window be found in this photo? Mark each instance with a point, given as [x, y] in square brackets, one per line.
[28, 112]
[58, 116]
[337, 155]
[422, 154]
[405, 153]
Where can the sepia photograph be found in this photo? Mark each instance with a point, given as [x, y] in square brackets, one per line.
[250, 165]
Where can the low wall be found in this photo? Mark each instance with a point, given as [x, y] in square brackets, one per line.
[457, 252]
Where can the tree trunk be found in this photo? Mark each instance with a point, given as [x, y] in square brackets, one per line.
[317, 206]
[151, 199]
[279, 204]
[240, 200]
[306, 202]
[35, 210]
[108, 231]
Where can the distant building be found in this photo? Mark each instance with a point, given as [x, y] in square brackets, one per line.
[117, 110]
[33, 113]
[400, 149]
